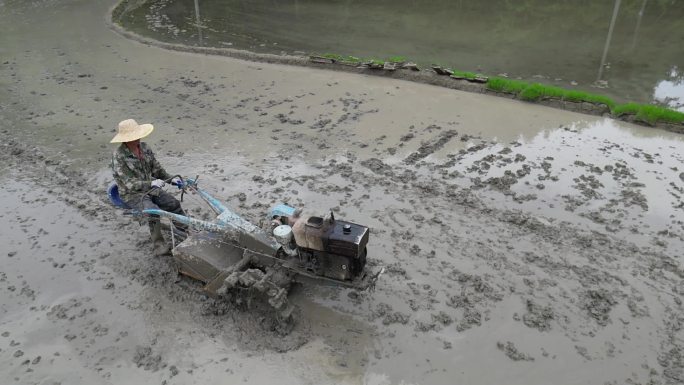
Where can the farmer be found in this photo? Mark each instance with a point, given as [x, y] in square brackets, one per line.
[140, 178]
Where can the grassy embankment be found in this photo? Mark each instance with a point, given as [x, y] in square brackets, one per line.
[647, 113]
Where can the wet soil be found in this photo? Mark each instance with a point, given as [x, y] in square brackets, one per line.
[522, 246]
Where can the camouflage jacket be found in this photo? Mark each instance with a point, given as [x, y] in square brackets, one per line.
[132, 175]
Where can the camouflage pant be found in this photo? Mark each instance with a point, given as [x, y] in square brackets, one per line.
[161, 200]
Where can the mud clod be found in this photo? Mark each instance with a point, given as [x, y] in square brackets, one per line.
[144, 358]
[377, 166]
[512, 352]
[598, 304]
[537, 316]
[442, 318]
[430, 147]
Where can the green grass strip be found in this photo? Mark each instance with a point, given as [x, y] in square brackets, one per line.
[506, 85]
[537, 91]
[649, 113]
[465, 75]
[598, 99]
[532, 92]
[397, 59]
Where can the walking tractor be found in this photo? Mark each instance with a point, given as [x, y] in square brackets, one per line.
[232, 256]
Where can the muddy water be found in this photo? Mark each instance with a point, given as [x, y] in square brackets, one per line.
[625, 181]
[489, 279]
[567, 43]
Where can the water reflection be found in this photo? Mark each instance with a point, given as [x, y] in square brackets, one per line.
[599, 79]
[671, 92]
[198, 23]
[638, 24]
[551, 41]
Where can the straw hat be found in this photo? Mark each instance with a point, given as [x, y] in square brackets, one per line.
[130, 130]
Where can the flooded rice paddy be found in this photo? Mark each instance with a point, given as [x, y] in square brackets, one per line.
[627, 49]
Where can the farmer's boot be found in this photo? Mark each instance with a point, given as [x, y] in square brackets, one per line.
[159, 245]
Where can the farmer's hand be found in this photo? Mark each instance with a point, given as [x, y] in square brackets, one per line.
[177, 181]
[157, 183]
